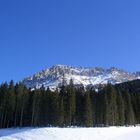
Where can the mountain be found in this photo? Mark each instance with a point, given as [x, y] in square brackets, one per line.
[137, 74]
[54, 76]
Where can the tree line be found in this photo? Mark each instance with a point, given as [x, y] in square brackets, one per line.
[112, 105]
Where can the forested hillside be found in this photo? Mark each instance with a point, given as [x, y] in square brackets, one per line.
[116, 105]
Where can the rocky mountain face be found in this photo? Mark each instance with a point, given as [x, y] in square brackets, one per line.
[137, 74]
[54, 76]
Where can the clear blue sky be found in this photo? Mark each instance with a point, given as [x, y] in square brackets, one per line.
[36, 34]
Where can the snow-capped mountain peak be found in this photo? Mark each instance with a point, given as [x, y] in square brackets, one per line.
[53, 77]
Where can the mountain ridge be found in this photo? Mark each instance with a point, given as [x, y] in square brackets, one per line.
[53, 77]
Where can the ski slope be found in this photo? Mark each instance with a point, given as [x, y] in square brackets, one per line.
[108, 133]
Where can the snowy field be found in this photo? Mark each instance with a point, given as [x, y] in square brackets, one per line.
[111, 133]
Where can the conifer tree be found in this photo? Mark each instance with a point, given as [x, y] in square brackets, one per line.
[5, 108]
[121, 110]
[12, 103]
[54, 109]
[129, 112]
[44, 107]
[61, 111]
[71, 103]
[88, 111]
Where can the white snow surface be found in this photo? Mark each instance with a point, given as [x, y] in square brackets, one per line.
[107, 133]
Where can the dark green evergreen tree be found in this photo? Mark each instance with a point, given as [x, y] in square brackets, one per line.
[129, 112]
[71, 103]
[5, 106]
[88, 118]
[121, 110]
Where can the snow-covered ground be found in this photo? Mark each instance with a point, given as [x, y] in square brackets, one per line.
[111, 133]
